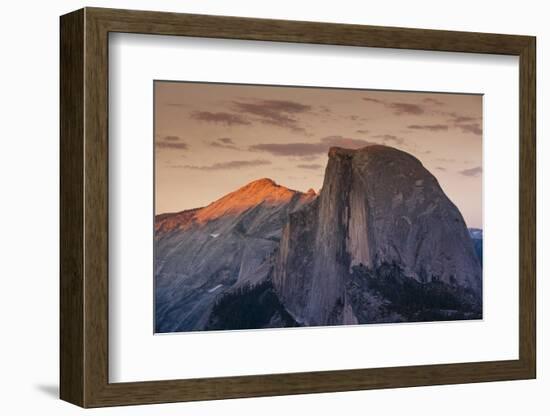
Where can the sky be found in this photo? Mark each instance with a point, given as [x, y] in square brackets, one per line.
[210, 139]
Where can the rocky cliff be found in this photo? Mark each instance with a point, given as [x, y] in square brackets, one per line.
[381, 229]
[203, 253]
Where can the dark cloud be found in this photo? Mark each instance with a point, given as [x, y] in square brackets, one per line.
[280, 113]
[433, 101]
[429, 127]
[290, 149]
[459, 118]
[232, 165]
[474, 128]
[406, 108]
[374, 100]
[472, 172]
[171, 142]
[172, 145]
[172, 138]
[221, 117]
[398, 108]
[309, 149]
[313, 166]
[224, 143]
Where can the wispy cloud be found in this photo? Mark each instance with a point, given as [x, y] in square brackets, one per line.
[220, 117]
[362, 131]
[433, 101]
[374, 100]
[398, 107]
[474, 128]
[280, 113]
[224, 143]
[471, 172]
[309, 149]
[459, 118]
[290, 149]
[172, 138]
[429, 127]
[171, 142]
[313, 166]
[231, 165]
[406, 108]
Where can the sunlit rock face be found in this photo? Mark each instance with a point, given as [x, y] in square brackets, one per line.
[378, 208]
[201, 254]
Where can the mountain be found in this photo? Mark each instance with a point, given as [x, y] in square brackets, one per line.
[476, 235]
[204, 253]
[381, 243]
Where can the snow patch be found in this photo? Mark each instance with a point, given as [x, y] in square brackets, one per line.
[215, 288]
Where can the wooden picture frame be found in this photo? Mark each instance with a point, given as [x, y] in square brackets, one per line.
[84, 207]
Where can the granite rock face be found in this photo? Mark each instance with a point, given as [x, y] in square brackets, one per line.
[380, 212]
[381, 242]
[201, 254]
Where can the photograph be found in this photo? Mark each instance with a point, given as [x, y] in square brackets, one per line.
[308, 206]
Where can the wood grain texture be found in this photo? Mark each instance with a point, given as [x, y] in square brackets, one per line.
[71, 208]
[84, 207]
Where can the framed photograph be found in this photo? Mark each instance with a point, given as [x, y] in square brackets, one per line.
[255, 207]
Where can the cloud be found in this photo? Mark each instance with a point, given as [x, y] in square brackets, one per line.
[433, 101]
[309, 158]
[171, 142]
[172, 138]
[362, 131]
[289, 149]
[231, 165]
[221, 117]
[309, 149]
[406, 108]
[398, 107]
[459, 118]
[464, 119]
[278, 113]
[171, 145]
[474, 128]
[224, 143]
[374, 100]
[429, 127]
[441, 168]
[472, 172]
[313, 166]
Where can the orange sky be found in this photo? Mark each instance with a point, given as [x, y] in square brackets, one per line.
[211, 139]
